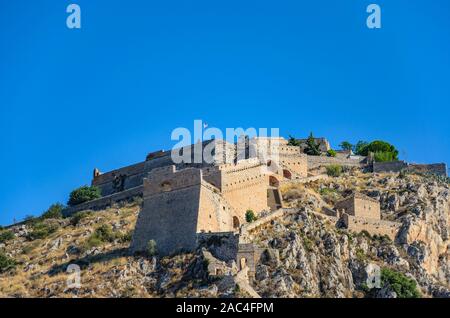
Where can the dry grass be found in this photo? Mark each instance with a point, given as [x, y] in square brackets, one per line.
[32, 276]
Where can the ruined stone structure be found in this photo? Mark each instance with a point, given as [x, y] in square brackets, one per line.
[359, 213]
[248, 256]
[359, 205]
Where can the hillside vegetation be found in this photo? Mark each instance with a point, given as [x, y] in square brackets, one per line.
[305, 254]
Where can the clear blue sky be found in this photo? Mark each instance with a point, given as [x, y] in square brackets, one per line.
[106, 95]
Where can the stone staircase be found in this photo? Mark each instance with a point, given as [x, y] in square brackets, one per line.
[241, 279]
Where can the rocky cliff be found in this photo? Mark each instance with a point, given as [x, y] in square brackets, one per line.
[305, 253]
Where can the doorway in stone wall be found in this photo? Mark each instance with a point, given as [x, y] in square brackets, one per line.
[236, 222]
[287, 174]
[273, 182]
[243, 262]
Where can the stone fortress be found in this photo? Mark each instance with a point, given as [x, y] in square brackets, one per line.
[187, 203]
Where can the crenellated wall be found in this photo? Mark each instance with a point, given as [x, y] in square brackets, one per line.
[178, 204]
[110, 183]
[244, 186]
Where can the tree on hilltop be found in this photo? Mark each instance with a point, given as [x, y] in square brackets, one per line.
[312, 148]
[345, 145]
[382, 151]
[359, 147]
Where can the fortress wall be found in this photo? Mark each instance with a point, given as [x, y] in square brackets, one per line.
[134, 175]
[135, 169]
[178, 204]
[367, 209]
[374, 227]
[225, 152]
[169, 218]
[319, 161]
[436, 168]
[166, 179]
[130, 182]
[209, 152]
[393, 166]
[169, 214]
[215, 214]
[245, 187]
[297, 164]
[250, 227]
[289, 150]
[397, 166]
[213, 175]
[346, 205]
[250, 195]
[106, 201]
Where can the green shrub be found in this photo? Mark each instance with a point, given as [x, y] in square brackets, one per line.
[329, 195]
[6, 236]
[91, 242]
[126, 237]
[152, 249]
[382, 238]
[77, 217]
[293, 142]
[359, 147]
[6, 263]
[53, 212]
[101, 235]
[365, 233]
[29, 248]
[384, 156]
[382, 150]
[328, 191]
[250, 216]
[308, 244]
[84, 194]
[41, 230]
[360, 255]
[403, 286]
[334, 170]
[105, 233]
[331, 153]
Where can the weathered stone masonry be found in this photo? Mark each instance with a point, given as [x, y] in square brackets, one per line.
[362, 213]
[182, 202]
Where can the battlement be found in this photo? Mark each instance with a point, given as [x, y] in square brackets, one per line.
[168, 178]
